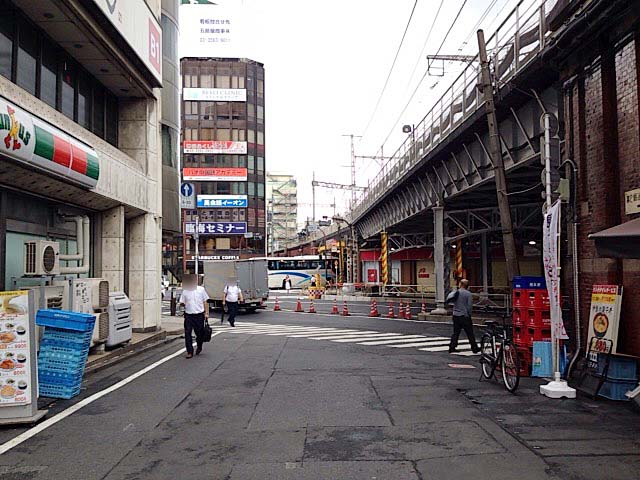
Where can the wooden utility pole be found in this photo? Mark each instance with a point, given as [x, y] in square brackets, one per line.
[495, 150]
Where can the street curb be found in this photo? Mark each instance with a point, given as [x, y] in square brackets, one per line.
[113, 358]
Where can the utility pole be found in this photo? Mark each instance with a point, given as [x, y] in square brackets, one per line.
[353, 167]
[196, 237]
[495, 150]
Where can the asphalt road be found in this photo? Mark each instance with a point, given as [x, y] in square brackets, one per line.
[293, 396]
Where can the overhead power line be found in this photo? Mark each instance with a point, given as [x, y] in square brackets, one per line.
[424, 46]
[393, 64]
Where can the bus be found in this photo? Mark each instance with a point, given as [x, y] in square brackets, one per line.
[300, 270]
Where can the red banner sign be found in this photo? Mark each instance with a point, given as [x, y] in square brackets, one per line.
[215, 174]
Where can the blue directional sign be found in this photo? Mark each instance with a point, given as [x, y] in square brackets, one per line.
[222, 201]
[216, 228]
[186, 189]
[187, 197]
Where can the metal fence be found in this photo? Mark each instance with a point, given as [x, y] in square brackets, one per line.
[515, 44]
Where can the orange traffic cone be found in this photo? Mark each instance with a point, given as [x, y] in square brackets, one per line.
[276, 307]
[345, 309]
[299, 308]
[401, 310]
[407, 312]
[334, 310]
[424, 308]
[391, 313]
[312, 308]
[373, 312]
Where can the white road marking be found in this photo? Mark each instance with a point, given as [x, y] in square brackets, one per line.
[423, 344]
[357, 340]
[403, 339]
[443, 348]
[32, 432]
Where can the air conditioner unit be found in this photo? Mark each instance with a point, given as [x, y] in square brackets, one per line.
[78, 297]
[41, 257]
[47, 297]
[120, 325]
[99, 293]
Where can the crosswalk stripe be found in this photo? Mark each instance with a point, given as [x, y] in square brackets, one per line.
[357, 340]
[320, 334]
[403, 339]
[423, 344]
[466, 354]
[443, 348]
[335, 336]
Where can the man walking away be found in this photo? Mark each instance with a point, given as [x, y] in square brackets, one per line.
[232, 294]
[196, 312]
[462, 300]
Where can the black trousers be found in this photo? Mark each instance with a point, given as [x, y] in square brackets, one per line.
[232, 307]
[460, 323]
[193, 322]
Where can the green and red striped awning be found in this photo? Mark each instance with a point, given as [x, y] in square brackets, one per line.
[61, 151]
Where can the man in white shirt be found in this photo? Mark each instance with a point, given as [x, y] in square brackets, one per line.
[232, 294]
[196, 312]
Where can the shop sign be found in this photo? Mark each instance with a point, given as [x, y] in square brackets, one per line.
[213, 228]
[215, 94]
[140, 29]
[16, 382]
[632, 201]
[422, 273]
[222, 201]
[215, 147]
[29, 140]
[206, 258]
[604, 316]
[215, 174]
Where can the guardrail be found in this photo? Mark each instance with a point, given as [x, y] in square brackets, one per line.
[512, 47]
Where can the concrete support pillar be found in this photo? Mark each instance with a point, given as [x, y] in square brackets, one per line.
[145, 238]
[112, 251]
[439, 259]
[485, 264]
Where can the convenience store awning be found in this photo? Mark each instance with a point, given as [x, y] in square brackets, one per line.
[621, 241]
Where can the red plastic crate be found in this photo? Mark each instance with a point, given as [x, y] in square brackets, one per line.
[537, 299]
[518, 316]
[520, 334]
[520, 297]
[538, 334]
[535, 317]
[525, 358]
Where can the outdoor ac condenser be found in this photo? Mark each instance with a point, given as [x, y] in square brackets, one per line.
[41, 257]
[120, 326]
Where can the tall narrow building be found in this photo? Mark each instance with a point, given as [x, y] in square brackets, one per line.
[223, 159]
[282, 211]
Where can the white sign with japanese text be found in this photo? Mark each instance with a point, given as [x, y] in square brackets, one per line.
[550, 241]
[15, 349]
[632, 201]
[604, 316]
[216, 228]
[215, 94]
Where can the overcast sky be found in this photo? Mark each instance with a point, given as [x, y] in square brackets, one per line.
[326, 63]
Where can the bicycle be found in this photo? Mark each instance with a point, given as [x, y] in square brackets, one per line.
[498, 352]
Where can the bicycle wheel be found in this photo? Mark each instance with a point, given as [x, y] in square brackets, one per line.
[510, 366]
[486, 356]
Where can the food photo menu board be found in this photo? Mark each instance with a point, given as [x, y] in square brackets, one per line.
[15, 349]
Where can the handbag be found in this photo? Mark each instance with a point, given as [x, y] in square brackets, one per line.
[207, 332]
[453, 298]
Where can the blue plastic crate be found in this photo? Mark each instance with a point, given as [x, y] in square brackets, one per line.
[62, 366]
[616, 389]
[620, 368]
[68, 336]
[529, 283]
[54, 350]
[56, 378]
[58, 391]
[80, 322]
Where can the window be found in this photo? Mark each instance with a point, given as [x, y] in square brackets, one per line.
[261, 190]
[260, 165]
[169, 142]
[251, 163]
[207, 110]
[260, 88]
[206, 134]
[251, 189]
[84, 103]
[27, 58]
[223, 77]
[260, 112]
[223, 134]
[223, 111]
[67, 104]
[191, 110]
[6, 43]
[238, 111]
[260, 138]
[49, 75]
[206, 77]
[251, 136]
[251, 111]
[112, 120]
[191, 134]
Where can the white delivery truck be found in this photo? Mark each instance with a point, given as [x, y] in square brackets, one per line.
[250, 275]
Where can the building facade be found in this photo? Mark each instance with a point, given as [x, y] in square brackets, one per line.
[282, 211]
[79, 108]
[223, 158]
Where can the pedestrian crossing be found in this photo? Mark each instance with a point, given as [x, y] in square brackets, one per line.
[370, 338]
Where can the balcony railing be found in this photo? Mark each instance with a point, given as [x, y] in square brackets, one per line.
[512, 47]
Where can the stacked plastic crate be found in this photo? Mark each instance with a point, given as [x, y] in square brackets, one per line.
[531, 318]
[63, 351]
[621, 376]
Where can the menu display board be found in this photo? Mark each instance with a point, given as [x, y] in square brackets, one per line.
[16, 381]
[604, 317]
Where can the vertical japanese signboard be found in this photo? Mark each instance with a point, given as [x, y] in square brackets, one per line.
[604, 316]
